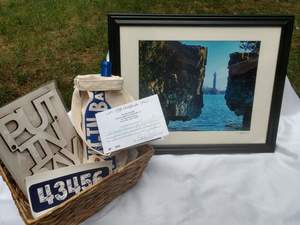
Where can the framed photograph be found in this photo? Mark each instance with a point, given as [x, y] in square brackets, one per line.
[219, 79]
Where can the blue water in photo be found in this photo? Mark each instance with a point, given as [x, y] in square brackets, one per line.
[215, 116]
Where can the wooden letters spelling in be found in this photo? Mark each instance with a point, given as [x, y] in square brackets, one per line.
[37, 135]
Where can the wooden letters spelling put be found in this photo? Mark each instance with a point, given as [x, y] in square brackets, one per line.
[37, 135]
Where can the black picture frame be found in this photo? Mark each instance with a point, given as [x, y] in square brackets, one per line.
[116, 21]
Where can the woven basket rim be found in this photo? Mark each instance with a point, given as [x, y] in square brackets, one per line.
[144, 150]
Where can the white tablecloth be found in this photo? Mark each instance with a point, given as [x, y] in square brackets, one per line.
[254, 189]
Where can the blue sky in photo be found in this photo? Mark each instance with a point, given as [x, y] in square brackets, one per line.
[217, 60]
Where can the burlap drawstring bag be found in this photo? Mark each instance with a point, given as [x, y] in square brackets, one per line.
[92, 94]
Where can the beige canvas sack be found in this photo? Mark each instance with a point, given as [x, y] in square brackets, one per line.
[92, 94]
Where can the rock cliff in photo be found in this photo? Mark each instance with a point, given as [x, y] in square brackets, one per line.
[239, 93]
[175, 72]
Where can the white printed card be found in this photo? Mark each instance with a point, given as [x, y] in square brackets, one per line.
[131, 124]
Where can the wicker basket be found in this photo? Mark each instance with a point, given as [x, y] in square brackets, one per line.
[86, 203]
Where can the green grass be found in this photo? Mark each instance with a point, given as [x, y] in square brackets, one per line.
[41, 40]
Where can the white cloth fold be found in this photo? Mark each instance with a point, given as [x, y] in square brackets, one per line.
[252, 189]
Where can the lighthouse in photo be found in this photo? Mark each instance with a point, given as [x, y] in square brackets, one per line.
[214, 91]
